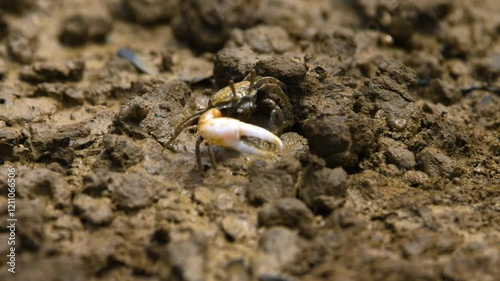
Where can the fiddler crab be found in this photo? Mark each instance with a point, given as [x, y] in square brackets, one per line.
[222, 122]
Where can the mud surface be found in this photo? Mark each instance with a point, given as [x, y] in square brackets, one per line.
[391, 161]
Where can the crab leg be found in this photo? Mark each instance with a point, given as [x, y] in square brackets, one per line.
[190, 121]
[228, 132]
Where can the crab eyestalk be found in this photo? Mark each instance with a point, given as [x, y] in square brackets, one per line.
[253, 74]
[233, 89]
[228, 132]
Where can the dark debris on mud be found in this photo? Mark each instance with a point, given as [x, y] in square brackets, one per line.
[391, 165]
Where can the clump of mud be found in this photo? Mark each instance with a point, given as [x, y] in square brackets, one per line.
[391, 161]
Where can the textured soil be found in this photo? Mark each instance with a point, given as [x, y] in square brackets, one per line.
[391, 161]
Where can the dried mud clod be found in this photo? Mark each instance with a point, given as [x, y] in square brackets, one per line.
[49, 143]
[39, 72]
[22, 47]
[122, 151]
[322, 189]
[186, 259]
[129, 191]
[46, 184]
[211, 21]
[436, 164]
[289, 70]
[289, 212]
[279, 181]
[66, 95]
[403, 18]
[262, 39]
[332, 51]
[278, 247]
[9, 141]
[328, 137]
[238, 227]
[396, 153]
[80, 29]
[233, 64]
[236, 63]
[96, 211]
[151, 11]
[442, 92]
[156, 112]
[341, 141]
[387, 95]
[299, 18]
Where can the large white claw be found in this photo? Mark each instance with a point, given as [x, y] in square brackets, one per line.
[227, 132]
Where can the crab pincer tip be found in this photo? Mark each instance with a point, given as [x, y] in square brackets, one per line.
[250, 130]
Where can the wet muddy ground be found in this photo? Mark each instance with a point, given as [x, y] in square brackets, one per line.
[391, 161]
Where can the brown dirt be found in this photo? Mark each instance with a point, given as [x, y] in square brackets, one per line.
[391, 166]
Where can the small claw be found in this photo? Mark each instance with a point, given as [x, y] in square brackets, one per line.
[227, 132]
